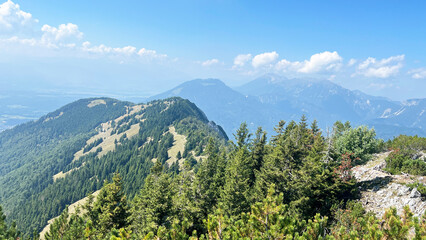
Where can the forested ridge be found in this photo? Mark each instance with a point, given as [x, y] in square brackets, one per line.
[296, 185]
[33, 153]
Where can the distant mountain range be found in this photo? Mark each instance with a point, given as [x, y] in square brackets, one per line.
[262, 102]
[271, 98]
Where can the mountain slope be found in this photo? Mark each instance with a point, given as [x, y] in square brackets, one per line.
[67, 154]
[321, 99]
[226, 106]
[411, 113]
[271, 98]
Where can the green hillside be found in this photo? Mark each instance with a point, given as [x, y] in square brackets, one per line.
[67, 154]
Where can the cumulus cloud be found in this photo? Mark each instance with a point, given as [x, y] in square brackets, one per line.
[128, 51]
[64, 33]
[102, 49]
[150, 53]
[319, 62]
[210, 62]
[418, 73]
[264, 59]
[382, 68]
[241, 60]
[14, 20]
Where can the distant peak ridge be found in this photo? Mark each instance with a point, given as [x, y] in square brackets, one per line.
[270, 98]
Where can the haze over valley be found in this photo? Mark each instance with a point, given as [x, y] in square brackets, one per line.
[196, 120]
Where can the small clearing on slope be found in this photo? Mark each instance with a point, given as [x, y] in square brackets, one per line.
[178, 145]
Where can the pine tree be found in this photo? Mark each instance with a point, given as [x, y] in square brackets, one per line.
[242, 136]
[3, 226]
[240, 176]
[183, 201]
[209, 181]
[259, 148]
[152, 207]
[236, 194]
[5, 231]
[111, 206]
[276, 168]
[66, 227]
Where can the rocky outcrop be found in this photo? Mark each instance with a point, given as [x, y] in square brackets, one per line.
[381, 190]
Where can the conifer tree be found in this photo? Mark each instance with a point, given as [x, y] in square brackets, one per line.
[5, 231]
[152, 207]
[111, 206]
[183, 201]
[66, 227]
[259, 148]
[3, 226]
[209, 181]
[237, 192]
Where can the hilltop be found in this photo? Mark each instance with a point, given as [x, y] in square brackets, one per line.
[67, 154]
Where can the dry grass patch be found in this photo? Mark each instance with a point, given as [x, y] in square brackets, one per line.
[71, 210]
[96, 102]
[178, 145]
[109, 139]
[53, 118]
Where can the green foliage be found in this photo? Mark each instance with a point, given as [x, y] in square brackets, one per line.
[239, 176]
[92, 145]
[360, 141]
[420, 187]
[152, 208]
[66, 227]
[405, 154]
[296, 168]
[287, 188]
[32, 153]
[209, 179]
[7, 232]
[111, 206]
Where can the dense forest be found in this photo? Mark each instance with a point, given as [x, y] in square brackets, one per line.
[31, 194]
[296, 185]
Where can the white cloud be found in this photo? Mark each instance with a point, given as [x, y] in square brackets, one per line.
[150, 53]
[13, 19]
[64, 33]
[286, 66]
[102, 49]
[128, 50]
[210, 62]
[418, 73]
[319, 62]
[352, 62]
[241, 60]
[264, 59]
[17, 40]
[382, 68]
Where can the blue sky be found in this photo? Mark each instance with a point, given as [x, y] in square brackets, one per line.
[145, 47]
